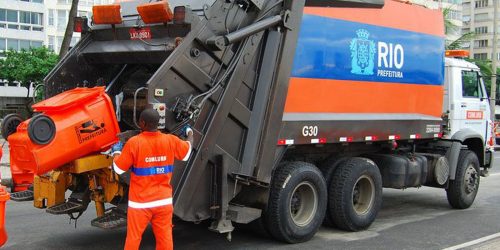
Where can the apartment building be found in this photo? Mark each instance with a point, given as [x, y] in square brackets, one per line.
[454, 10]
[33, 23]
[21, 24]
[478, 18]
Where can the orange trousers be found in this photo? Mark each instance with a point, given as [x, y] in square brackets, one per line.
[161, 221]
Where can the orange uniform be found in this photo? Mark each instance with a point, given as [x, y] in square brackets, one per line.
[150, 158]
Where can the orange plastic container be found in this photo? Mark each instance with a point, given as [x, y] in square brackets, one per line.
[4, 197]
[69, 126]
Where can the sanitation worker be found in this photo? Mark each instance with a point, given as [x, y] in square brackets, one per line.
[150, 157]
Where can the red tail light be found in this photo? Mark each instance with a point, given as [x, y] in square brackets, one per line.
[179, 14]
[80, 25]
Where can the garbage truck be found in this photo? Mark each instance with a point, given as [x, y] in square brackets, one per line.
[303, 111]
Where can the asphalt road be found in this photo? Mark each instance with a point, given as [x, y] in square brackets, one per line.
[409, 219]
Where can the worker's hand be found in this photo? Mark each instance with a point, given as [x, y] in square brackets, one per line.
[117, 148]
[187, 130]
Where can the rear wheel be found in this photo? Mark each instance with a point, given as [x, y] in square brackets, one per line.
[328, 168]
[462, 191]
[297, 202]
[355, 194]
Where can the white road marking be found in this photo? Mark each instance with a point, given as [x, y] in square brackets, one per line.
[474, 242]
[495, 174]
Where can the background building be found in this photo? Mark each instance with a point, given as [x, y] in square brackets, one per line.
[33, 23]
[478, 18]
[454, 10]
[21, 24]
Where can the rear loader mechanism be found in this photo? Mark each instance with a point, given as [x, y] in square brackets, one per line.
[217, 69]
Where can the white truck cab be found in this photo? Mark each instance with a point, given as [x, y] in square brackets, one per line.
[466, 106]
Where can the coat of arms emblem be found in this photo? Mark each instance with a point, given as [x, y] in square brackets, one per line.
[362, 53]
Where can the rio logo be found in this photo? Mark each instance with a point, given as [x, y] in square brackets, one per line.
[363, 49]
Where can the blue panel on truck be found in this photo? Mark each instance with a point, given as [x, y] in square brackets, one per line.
[331, 48]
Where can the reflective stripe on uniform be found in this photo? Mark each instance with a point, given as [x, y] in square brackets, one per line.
[152, 170]
[117, 169]
[151, 204]
[188, 153]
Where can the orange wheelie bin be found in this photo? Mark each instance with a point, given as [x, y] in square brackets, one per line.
[4, 197]
[66, 127]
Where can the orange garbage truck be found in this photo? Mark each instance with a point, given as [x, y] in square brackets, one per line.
[303, 111]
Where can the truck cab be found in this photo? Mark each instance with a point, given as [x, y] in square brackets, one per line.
[466, 106]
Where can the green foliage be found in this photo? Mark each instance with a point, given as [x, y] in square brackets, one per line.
[27, 65]
[457, 44]
[484, 65]
[450, 27]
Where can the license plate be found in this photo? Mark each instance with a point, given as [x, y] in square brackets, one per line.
[142, 33]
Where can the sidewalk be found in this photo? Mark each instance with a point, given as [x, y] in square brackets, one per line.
[4, 162]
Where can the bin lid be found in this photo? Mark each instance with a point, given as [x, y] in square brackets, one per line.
[68, 99]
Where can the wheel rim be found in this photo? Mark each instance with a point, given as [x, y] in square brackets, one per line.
[303, 204]
[363, 195]
[471, 179]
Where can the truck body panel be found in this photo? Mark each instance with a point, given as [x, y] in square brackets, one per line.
[362, 69]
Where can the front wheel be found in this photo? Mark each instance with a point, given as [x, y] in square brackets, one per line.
[463, 190]
[297, 202]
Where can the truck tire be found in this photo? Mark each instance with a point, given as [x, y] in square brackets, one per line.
[462, 191]
[328, 168]
[297, 202]
[355, 194]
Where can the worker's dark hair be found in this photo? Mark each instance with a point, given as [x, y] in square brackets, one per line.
[151, 119]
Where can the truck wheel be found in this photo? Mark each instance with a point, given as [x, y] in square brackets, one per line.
[297, 202]
[328, 168]
[355, 194]
[462, 191]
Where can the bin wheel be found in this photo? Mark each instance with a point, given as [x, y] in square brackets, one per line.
[41, 129]
[355, 194]
[463, 190]
[297, 202]
[10, 123]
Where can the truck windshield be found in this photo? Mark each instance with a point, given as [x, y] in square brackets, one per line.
[471, 85]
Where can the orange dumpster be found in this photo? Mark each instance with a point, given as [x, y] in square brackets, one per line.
[68, 126]
[4, 197]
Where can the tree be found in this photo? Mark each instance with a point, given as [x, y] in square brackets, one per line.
[486, 72]
[27, 66]
[450, 28]
[484, 65]
[68, 34]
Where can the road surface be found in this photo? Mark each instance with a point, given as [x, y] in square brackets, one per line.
[409, 219]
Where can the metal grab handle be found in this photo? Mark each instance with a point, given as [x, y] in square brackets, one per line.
[135, 104]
